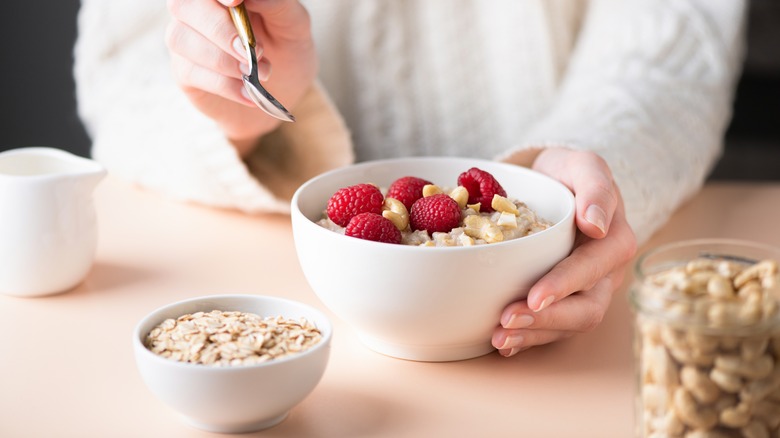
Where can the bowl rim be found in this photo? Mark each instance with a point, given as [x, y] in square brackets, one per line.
[140, 348]
[568, 216]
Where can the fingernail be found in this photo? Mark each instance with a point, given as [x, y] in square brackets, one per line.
[545, 303]
[245, 94]
[244, 68]
[508, 352]
[263, 70]
[595, 215]
[512, 341]
[238, 46]
[519, 321]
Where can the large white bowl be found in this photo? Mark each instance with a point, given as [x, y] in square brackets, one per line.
[422, 303]
[241, 398]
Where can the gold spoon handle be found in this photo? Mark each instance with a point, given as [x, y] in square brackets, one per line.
[241, 19]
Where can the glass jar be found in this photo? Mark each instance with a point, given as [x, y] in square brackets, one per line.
[707, 340]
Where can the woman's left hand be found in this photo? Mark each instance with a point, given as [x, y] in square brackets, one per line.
[574, 296]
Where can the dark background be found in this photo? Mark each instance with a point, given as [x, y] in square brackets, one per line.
[38, 105]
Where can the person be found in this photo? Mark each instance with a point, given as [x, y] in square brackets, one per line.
[624, 101]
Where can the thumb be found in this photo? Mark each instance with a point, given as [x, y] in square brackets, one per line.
[588, 176]
[595, 208]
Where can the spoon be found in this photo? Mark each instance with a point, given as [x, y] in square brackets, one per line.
[259, 95]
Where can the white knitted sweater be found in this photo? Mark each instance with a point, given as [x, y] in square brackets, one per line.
[647, 84]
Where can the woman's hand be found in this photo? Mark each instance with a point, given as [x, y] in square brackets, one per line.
[574, 296]
[208, 59]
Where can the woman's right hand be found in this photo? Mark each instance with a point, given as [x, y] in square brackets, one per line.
[208, 58]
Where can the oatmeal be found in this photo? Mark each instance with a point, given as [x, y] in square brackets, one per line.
[413, 211]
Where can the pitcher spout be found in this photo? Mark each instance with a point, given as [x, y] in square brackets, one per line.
[91, 178]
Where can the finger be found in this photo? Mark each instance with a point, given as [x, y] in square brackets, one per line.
[263, 69]
[533, 338]
[588, 176]
[586, 265]
[212, 21]
[192, 76]
[595, 194]
[578, 313]
[187, 43]
[230, 3]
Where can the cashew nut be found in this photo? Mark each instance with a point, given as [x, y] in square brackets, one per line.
[757, 368]
[660, 367]
[699, 433]
[719, 315]
[654, 397]
[702, 342]
[697, 282]
[736, 416]
[475, 207]
[507, 220]
[690, 413]
[396, 212]
[758, 389]
[461, 195]
[728, 382]
[466, 240]
[719, 287]
[756, 429]
[753, 347]
[430, 190]
[758, 271]
[751, 288]
[768, 412]
[699, 384]
[751, 312]
[692, 356]
[667, 425]
[502, 204]
[480, 227]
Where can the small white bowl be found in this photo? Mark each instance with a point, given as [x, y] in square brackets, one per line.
[234, 399]
[428, 304]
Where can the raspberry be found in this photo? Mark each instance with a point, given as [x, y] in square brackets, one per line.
[407, 190]
[436, 213]
[350, 201]
[372, 226]
[481, 186]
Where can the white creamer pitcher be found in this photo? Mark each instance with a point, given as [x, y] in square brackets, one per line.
[48, 231]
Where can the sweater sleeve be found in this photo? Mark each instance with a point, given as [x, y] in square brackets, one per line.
[649, 88]
[145, 130]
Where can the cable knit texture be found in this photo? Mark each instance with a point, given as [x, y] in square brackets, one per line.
[647, 84]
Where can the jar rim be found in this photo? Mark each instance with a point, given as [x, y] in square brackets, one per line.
[639, 274]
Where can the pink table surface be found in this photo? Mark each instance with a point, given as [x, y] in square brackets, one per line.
[67, 367]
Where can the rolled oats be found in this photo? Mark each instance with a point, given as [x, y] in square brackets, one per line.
[230, 338]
